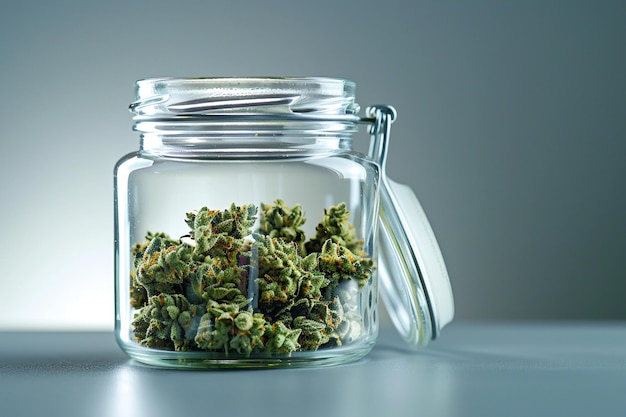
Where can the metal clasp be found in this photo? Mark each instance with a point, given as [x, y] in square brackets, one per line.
[381, 116]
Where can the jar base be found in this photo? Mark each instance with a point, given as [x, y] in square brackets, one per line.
[207, 360]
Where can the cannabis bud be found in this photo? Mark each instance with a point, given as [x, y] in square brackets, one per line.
[335, 225]
[226, 287]
[284, 222]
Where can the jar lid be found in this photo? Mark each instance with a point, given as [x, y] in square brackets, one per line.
[415, 283]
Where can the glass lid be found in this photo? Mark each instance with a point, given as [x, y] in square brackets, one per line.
[415, 283]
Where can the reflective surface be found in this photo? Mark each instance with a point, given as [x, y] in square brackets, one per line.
[564, 369]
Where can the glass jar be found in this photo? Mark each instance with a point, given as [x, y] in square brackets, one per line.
[246, 226]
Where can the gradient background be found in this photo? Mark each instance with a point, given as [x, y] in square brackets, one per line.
[511, 130]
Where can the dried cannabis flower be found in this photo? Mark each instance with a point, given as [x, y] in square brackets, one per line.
[225, 327]
[164, 322]
[335, 226]
[224, 287]
[281, 221]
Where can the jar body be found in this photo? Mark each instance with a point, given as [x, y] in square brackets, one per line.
[217, 267]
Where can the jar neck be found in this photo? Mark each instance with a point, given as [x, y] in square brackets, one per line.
[251, 136]
[203, 147]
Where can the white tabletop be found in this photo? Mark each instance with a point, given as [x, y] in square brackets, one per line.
[473, 369]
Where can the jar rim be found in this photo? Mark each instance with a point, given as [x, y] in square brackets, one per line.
[184, 96]
[260, 79]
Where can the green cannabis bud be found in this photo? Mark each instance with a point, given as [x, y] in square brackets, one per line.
[339, 263]
[164, 321]
[228, 288]
[335, 226]
[279, 220]
[226, 328]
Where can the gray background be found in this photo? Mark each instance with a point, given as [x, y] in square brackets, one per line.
[511, 130]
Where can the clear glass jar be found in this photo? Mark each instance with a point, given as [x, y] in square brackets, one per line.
[246, 226]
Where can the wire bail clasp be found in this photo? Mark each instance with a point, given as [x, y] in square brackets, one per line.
[381, 116]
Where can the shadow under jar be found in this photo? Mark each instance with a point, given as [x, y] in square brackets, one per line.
[246, 226]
